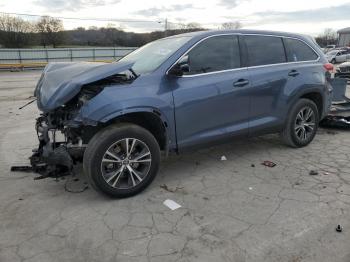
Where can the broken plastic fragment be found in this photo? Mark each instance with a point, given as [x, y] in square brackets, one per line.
[339, 228]
[171, 204]
[268, 163]
[223, 158]
[313, 173]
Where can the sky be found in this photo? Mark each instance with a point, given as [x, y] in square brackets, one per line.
[300, 16]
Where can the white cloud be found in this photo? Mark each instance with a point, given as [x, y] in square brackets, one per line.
[296, 16]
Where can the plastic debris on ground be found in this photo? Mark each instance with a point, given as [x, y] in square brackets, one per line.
[339, 228]
[268, 163]
[313, 173]
[223, 158]
[171, 204]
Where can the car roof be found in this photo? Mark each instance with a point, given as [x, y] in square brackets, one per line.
[206, 33]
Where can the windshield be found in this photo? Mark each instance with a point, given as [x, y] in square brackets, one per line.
[149, 57]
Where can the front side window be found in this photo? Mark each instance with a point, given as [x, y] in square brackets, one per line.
[214, 54]
[149, 57]
[265, 50]
[299, 51]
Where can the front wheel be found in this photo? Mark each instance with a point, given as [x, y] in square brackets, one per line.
[302, 124]
[122, 160]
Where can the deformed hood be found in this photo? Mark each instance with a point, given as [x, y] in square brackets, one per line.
[61, 81]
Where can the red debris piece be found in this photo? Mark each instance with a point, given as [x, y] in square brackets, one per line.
[268, 163]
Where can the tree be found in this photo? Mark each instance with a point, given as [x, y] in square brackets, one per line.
[231, 25]
[328, 37]
[14, 31]
[51, 31]
[193, 25]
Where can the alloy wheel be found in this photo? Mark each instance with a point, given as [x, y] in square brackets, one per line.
[305, 123]
[126, 163]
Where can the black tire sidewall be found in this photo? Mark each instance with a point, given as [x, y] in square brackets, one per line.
[100, 145]
[300, 104]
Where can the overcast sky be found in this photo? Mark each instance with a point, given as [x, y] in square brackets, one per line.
[303, 16]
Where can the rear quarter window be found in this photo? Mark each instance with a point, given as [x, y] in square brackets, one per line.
[298, 51]
[265, 50]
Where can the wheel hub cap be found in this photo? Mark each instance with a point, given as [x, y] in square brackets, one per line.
[305, 123]
[126, 163]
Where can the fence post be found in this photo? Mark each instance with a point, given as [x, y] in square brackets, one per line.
[47, 55]
[71, 54]
[19, 56]
[93, 54]
[114, 56]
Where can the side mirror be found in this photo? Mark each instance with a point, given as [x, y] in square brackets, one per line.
[181, 67]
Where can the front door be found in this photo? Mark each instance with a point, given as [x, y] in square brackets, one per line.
[212, 99]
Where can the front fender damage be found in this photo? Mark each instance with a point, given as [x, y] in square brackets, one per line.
[62, 129]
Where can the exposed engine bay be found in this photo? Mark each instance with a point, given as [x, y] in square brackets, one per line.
[62, 140]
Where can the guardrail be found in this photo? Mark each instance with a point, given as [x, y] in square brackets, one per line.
[28, 58]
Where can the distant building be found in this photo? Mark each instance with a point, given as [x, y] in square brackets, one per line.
[344, 37]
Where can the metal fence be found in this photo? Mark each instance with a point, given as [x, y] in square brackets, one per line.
[45, 55]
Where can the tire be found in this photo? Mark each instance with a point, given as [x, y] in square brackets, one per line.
[333, 61]
[107, 166]
[292, 134]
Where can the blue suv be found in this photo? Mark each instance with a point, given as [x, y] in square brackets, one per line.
[174, 94]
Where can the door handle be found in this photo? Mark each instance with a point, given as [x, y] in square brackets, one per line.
[293, 73]
[240, 83]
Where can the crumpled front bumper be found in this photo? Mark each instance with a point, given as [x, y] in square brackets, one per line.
[51, 158]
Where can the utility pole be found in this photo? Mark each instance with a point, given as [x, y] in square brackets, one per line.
[166, 26]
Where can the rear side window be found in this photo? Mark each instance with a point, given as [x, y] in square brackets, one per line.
[298, 51]
[214, 54]
[265, 50]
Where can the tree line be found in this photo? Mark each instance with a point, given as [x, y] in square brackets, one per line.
[49, 32]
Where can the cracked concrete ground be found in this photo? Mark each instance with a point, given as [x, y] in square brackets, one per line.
[234, 210]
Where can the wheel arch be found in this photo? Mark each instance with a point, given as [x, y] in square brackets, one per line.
[149, 118]
[317, 98]
[313, 94]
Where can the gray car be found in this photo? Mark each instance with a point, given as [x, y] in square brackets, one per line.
[174, 94]
[338, 55]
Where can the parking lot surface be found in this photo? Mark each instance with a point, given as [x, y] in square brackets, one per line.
[233, 210]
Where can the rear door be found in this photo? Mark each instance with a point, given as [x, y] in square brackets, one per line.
[278, 67]
[268, 73]
[212, 99]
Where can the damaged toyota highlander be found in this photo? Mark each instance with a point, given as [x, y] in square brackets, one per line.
[174, 94]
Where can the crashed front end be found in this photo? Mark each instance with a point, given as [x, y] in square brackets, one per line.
[62, 91]
[60, 143]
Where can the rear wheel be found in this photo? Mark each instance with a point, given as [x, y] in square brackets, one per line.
[302, 124]
[122, 160]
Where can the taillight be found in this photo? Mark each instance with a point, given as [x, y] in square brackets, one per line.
[329, 67]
